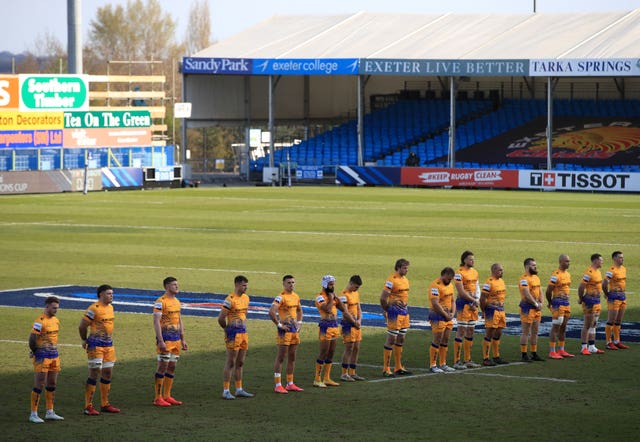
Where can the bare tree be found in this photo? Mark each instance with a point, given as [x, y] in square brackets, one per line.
[198, 34]
[138, 31]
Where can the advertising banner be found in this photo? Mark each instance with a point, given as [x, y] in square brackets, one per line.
[31, 120]
[588, 181]
[52, 181]
[440, 177]
[30, 138]
[9, 92]
[610, 67]
[221, 66]
[106, 137]
[42, 92]
[324, 66]
[445, 68]
[107, 119]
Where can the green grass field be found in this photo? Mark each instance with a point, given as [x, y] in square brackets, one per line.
[206, 236]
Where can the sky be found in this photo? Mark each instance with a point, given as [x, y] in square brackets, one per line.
[25, 21]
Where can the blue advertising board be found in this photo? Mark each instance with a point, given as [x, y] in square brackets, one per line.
[270, 66]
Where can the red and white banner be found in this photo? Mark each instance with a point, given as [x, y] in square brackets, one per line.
[439, 177]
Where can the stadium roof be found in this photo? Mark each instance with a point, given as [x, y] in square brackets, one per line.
[438, 36]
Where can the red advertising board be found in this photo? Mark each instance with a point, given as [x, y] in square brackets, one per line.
[440, 177]
[107, 137]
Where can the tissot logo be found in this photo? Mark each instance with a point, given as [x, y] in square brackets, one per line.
[549, 179]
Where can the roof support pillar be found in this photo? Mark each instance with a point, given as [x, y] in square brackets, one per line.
[550, 86]
[452, 122]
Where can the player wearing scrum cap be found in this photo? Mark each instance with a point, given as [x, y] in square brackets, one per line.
[328, 305]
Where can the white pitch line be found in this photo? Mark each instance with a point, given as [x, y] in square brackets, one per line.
[196, 269]
[476, 372]
[10, 341]
[535, 378]
[311, 233]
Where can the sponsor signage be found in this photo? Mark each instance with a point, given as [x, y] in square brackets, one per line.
[182, 110]
[221, 66]
[53, 92]
[107, 119]
[306, 66]
[445, 68]
[9, 92]
[309, 172]
[30, 138]
[270, 66]
[610, 67]
[589, 181]
[31, 120]
[439, 177]
[106, 137]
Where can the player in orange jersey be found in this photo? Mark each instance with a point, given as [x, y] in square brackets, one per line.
[492, 305]
[394, 299]
[233, 320]
[467, 302]
[328, 305]
[614, 286]
[43, 343]
[286, 313]
[441, 313]
[530, 310]
[589, 293]
[167, 323]
[96, 332]
[351, 331]
[557, 295]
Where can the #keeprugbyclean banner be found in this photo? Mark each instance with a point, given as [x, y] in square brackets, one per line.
[439, 177]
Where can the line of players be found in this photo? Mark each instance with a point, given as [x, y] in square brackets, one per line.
[96, 327]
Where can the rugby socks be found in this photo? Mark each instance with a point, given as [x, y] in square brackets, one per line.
[607, 332]
[35, 399]
[433, 354]
[397, 356]
[277, 377]
[226, 385]
[319, 364]
[457, 344]
[105, 388]
[168, 383]
[345, 369]
[442, 354]
[328, 363]
[486, 345]
[238, 384]
[495, 346]
[289, 379]
[560, 345]
[352, 369]
[159, 383]
[552, 347]
[534, 348]
[616, 332]
[49, 395]
[468, 343]
[523, 350]
[387, 358]
[89, 390]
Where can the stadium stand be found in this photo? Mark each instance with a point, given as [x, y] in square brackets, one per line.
[421, 126]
